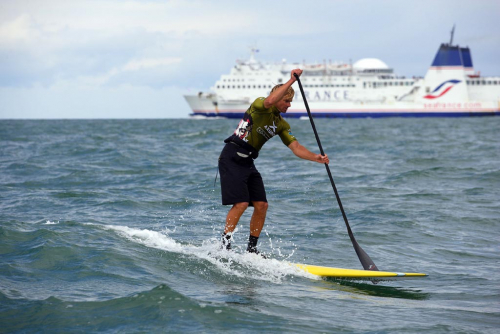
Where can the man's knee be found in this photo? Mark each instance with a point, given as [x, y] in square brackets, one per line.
[261, 206]
[241, 206]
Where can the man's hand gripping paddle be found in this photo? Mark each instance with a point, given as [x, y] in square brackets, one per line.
[365, 260]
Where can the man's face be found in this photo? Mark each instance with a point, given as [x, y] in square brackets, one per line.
[284, 104]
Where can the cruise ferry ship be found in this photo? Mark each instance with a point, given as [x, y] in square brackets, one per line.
[367, 88]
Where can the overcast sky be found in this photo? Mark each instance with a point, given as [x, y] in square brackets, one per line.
[135, 59]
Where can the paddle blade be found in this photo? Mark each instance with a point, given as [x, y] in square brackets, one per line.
[365, 260]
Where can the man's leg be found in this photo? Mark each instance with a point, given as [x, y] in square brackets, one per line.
[256, 224]
[232, 219]
[234, 215]
[258, 218]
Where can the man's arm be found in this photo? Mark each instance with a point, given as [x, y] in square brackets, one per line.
[304, 153]
[278, 94]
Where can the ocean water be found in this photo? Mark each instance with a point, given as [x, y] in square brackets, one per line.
[112, 226]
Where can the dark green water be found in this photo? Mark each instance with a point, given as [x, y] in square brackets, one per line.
[112, 226]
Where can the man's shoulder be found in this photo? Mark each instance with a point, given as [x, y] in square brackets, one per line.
[259, 103]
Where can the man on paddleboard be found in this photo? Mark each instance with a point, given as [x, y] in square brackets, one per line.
[241, 183]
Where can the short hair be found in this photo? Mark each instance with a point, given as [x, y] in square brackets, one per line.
[290, 93]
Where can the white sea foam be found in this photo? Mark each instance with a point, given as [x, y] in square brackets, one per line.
[229, 262]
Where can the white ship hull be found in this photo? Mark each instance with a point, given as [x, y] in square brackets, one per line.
[204, 107]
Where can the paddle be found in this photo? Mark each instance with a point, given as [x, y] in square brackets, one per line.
[365, 260]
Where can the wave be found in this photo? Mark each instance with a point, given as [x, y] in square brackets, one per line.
[158, 310]
[243, 265]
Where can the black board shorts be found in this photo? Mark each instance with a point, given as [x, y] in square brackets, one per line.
[239, 179]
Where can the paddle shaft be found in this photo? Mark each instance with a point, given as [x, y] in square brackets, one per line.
[365, 260]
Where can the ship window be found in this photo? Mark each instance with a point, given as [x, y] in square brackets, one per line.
[218, 86]
[468, 82]
[259, 86]
[489, 82]
[364, 84]
[483, 82]
[495, 82]
[385, 84]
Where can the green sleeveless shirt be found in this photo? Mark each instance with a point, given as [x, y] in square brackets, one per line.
[259, 124]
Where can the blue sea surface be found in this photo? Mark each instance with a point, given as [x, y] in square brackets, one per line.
[112, 226]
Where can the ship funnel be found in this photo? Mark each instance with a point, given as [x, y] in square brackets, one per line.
[449, 55]
[445, 82]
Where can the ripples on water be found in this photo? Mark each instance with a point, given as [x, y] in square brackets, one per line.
[112, 226]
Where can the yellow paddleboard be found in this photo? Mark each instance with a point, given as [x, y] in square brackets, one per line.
[356, 274]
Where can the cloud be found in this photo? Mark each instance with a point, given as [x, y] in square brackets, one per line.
[135, 65]
[17, 30]
[146, 72]
[63, 40]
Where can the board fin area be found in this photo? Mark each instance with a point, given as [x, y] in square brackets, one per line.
[356, 274]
